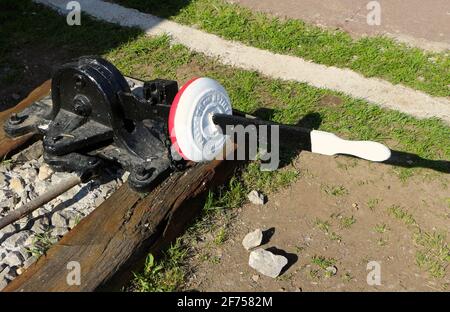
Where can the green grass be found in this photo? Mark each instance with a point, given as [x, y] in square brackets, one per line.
[347, 222]
[221, 237]
[41, 30]
[322, 225]
[335, 190]
[41, 243]
[148, 58]
[372, 203]
[381, 228]
[168, 273]
[164, 275]
[288, 101]
[401, 214]
[373, 57]
[325, 227]
[433, 252]
[5, 161]
[323, 262]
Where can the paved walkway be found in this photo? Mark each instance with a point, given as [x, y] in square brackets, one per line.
[423, 23]
[376, 91]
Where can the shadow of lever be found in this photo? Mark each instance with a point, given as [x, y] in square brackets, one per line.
[408, 160]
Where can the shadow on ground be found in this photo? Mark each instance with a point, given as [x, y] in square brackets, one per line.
[35, 40]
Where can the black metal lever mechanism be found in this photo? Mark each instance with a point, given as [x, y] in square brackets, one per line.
[94, 115]
[93, 112]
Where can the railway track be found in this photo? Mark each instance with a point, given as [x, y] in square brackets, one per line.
[113, 240]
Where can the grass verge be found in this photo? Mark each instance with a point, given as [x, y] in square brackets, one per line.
[433, 252]
[286, 102]
[373, 56]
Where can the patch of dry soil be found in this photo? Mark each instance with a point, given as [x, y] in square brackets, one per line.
[297, 216]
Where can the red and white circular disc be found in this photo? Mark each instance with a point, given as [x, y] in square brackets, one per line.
[192, 131]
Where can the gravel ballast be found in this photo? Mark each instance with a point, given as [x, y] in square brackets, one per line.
[25, 178]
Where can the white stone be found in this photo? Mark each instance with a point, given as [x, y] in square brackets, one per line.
[72, 218]
[16, 185]
[28, 262]
[40, 187]
[59, 231]
[3, 181]
[6, 199]
[45, 172]
[16, 240]
[332, 270]
[58, 177]
[58, 220]
[256, 198]
[252, 239]
[27, 174]
[266, 262]
[41, 225]
[3, 283]
[7, 230]
[14, 258]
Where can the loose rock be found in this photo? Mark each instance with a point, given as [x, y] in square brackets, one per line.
[256, 198]
[41, 225]
[16, 185]
[332, 270]
[45, 172]
[25, 180]
[2, 180]
[58, 220]
[14, 259]
[16, 240]
[266, 262]
[252, 239]
[3, 283]
[7, 230]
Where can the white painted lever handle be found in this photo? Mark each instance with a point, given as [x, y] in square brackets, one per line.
[330, 144]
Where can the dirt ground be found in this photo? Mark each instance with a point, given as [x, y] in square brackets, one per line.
[429, 20]
[312, 218]
[338, 209]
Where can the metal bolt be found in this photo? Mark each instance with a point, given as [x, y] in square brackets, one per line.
[16, 119]
[82, 105]
[79, 81]
[143, 174]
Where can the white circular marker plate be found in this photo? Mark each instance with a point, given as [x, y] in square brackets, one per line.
[192, 131]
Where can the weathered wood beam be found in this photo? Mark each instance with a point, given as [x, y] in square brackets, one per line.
[126, 226]
[119, 233]
[7, 144]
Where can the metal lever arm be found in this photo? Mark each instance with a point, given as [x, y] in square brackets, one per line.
[315, 141]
